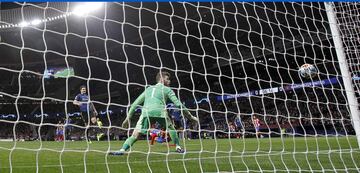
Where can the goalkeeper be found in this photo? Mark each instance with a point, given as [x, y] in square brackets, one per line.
[154, 110]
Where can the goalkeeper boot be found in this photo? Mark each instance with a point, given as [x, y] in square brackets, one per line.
[179, 149]
[117, 153]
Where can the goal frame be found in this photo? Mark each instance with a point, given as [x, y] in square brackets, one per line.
[344, 69]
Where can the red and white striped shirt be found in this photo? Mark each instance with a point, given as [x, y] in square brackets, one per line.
[256, 122]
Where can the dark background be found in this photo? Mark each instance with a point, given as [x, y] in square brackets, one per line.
[211, 49]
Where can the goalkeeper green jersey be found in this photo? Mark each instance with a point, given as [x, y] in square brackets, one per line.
[154, 99]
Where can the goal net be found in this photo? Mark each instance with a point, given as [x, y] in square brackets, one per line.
[235, 66]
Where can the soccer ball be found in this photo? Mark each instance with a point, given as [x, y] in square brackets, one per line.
[307, 71]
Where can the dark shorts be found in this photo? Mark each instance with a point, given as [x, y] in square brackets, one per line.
[178, 124]
[86, 116]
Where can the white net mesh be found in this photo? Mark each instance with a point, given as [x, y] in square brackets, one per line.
[234, 65]
[347, 19]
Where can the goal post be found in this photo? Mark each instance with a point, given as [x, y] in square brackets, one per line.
[344, 67]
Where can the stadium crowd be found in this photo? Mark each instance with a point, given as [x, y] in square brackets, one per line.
[305, 112]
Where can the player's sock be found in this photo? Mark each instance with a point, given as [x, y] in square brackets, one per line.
[129, 142]
[174, 137]
[153, 136]
[98, 136]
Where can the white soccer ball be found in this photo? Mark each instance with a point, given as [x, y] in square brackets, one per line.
[307, 71]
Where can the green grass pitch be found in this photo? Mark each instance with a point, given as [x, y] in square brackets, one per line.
[208, 155]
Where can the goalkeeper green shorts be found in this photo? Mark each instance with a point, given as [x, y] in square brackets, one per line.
[146, 123]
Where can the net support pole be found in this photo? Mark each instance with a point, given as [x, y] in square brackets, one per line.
[344, 68]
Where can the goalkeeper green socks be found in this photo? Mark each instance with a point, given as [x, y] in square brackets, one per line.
[129, 142]
[174, 137]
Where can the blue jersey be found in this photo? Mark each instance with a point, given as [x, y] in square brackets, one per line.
[238, 122]
[175, 113]
[83, 99]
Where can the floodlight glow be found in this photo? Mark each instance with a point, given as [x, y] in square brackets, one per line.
[35, 22]
[24, 24]
[85, 8]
